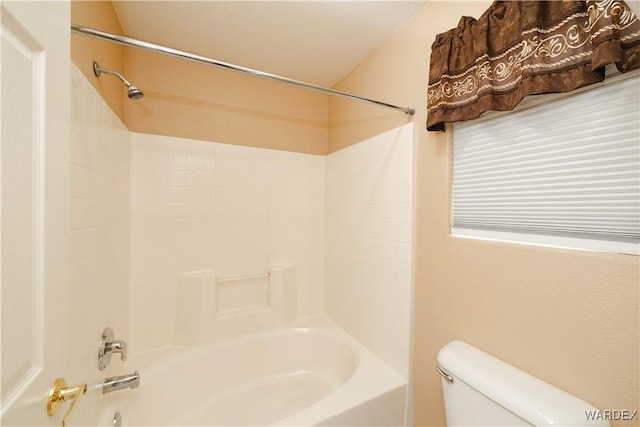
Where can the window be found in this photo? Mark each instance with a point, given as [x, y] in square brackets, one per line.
[560, 170]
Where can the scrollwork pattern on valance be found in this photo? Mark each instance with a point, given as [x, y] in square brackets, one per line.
[519, 48]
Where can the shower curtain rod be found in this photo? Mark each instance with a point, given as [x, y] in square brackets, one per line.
[128, 41]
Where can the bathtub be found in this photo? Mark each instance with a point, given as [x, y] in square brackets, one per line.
[309, 374]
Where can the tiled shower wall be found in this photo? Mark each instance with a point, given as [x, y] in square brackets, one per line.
[98, 231]
[369, 205]
[237, 210]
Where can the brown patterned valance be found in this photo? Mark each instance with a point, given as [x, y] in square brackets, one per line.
[520, 48]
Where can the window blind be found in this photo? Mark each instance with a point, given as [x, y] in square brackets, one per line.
[560, 165]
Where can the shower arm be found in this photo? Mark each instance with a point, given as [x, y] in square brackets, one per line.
[128, 41]
[97, 70]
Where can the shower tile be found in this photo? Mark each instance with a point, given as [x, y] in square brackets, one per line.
[158, 158]
[215, 207]
[75, 246]
[197, 162]
[88, 213]
[99, 211]
[368, 220]
[198, 180]
[177, 178]
[177, 160]
[75, 214]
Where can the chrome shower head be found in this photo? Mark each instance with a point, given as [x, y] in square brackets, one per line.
[133, 92]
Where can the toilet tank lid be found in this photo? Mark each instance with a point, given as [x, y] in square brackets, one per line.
[530, 398]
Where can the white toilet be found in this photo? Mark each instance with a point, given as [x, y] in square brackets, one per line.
[480, 390]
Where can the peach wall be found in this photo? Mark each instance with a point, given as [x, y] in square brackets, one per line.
[85, 50]
[568, 317]
[195, 101]
[190, 100]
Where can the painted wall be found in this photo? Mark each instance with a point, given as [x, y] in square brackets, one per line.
[570, 318]
[85, 50]
[369, 213]
[189, 100]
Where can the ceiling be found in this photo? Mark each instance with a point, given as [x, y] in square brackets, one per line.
[317, 42]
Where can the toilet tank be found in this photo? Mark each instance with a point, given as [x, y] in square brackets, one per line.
[488, 392]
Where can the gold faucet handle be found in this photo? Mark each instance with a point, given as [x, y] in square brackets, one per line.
[59, 393]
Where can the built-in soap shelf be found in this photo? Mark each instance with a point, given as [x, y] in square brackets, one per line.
[243, 294]
[210, 306]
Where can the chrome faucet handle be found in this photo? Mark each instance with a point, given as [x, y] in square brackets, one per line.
[117, 346]
[108, 345]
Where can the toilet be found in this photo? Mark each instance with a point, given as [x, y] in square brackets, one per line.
[480, 390]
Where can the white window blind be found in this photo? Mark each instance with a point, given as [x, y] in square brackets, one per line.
[564, 166]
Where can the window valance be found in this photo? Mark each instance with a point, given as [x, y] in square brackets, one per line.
[520, 48]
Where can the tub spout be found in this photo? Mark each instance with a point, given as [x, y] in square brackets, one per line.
[121, 382]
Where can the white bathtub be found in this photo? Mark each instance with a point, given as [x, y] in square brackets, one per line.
[310, 374]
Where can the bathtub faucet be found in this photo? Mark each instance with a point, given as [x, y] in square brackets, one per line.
[121, 382]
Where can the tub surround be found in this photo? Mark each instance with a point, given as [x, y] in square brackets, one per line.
[197, 206]
[98, 233]
[369, 264]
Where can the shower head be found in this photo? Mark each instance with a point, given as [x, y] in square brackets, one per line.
[133, 92]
